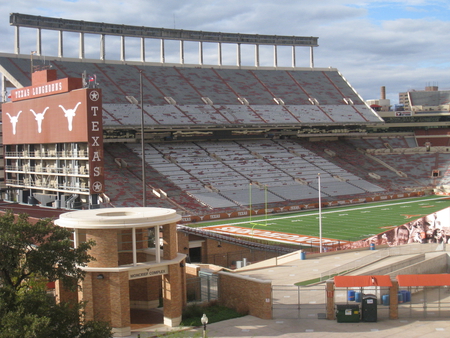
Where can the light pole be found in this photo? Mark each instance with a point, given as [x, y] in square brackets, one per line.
[144, 179]
[31, 62]
[133, 100]
[204, 321]
[320, 212]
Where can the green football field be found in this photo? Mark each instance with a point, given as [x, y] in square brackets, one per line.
[348, 223]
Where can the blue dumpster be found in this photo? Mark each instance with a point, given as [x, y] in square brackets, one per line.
[351, 295]
[406, 296]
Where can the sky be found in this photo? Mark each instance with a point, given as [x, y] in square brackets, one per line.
[402, 45]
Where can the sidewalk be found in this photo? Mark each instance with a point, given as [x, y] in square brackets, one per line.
[295, 270]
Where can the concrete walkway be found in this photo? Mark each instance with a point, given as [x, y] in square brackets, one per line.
[292, 270]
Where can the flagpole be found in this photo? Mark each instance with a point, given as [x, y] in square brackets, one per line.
[250, 200]
[320, 212]
[265, 200]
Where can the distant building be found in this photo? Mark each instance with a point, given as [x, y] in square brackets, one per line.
[430, 100]
[381, 104]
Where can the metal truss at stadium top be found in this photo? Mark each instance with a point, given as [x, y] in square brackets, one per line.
[39, 22]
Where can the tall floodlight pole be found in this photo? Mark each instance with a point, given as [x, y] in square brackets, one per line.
[320, 212]
[144, 180]
[265, 201]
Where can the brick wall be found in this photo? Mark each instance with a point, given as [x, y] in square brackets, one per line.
[105, 250]
[233, 289]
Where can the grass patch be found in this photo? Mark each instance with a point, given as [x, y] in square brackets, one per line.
[215, 313]
[347, 223]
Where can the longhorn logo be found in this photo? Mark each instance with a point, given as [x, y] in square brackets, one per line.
[14, 120]
[70, 113]
[39, 118]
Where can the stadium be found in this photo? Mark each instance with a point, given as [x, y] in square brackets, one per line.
[215, 142]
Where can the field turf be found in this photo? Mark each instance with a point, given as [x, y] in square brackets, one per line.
[349, 223]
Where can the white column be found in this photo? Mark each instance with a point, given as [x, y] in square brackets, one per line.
[219, 52]
[60, 45]
[293, 57]
[133, 239]
[239, 54]
[17, 41]
[200, 52]
[157, 249]
[102, 47]
[256, 55]
[142, 49]
[38, 42]
[122, 48]
[81, 46]
[182, 52]
[75, 239]
[163, 58]
[275, 56]
[311, 57]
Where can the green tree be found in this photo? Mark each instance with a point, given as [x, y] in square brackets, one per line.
[30, 256]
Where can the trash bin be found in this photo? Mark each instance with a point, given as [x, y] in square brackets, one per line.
[302, 255]
[358, 297]
[347, 313]
[372, 246]
[406, 296]
[351, 295]
[369, 308]
[385, 300]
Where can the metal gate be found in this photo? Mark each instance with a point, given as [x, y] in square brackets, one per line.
[208, 286]
[202, 288]
[424, 302]
[291, 301]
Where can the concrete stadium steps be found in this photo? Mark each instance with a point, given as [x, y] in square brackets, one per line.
[176, 197]
[205, 96]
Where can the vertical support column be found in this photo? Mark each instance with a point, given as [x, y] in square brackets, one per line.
[172, 296]
[142, 49]
[275, 56]
[200, 52]
[85, 294]
[81, 46]
[170, 246]
[331, 314]
[102, 47]
[75, 238]
[393, 300]
[119, 303]
[311, 57]
[122, 48]
[39, 42]
[157, 248]
[17, 40]
[3, 88]
[60, 44]
[238, 54]
[182, 52]
[219, 53]
[163, 57]
[133, 239]
[256, 55]
[293, 57]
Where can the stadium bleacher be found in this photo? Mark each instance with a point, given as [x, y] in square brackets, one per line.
[207, 175]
